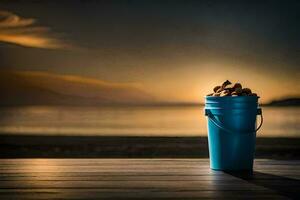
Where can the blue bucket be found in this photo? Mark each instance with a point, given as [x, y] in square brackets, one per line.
[232, 131]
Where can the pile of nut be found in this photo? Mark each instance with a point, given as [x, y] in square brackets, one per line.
[235, 90]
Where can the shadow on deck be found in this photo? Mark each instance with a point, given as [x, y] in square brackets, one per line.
[284, 186]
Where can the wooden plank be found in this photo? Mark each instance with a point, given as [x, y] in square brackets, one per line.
[44, 168]
[157, 163]
[143, 172]
[134, 193]
[105, 177]
[139, 160]
[142, 162]
[190, 184]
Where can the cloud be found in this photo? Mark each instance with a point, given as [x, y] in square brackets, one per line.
[38, 87]
[24, 32]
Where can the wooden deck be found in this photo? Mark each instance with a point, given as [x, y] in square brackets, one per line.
[144, 179]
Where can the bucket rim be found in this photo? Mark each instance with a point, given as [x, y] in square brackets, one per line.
[231, 97]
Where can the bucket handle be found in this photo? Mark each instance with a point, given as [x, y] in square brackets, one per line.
[215, 121]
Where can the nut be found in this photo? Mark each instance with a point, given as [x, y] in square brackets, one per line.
[238, 90]
[229, 89]
[247, 91]
[224, 93]
[237, 85]
[227, 82]
[216, 94]
[253, 94]
[216, 88]
[219, 90]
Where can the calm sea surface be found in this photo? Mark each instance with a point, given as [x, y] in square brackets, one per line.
[142, 121]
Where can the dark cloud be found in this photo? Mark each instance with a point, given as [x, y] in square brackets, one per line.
[24, 31]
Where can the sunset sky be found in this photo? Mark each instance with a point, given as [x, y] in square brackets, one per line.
[174, 50]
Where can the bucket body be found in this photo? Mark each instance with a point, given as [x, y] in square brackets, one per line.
[231, 131]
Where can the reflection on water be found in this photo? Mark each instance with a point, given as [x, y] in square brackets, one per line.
[153, 121]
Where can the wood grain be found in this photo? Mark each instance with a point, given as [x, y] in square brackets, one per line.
[144, 179]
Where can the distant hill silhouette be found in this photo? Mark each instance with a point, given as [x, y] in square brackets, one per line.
[41, 88]
[285, 102]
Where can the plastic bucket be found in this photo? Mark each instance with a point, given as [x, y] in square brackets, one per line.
[232, 131]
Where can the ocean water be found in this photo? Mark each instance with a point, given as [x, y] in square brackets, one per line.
[132, 121]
